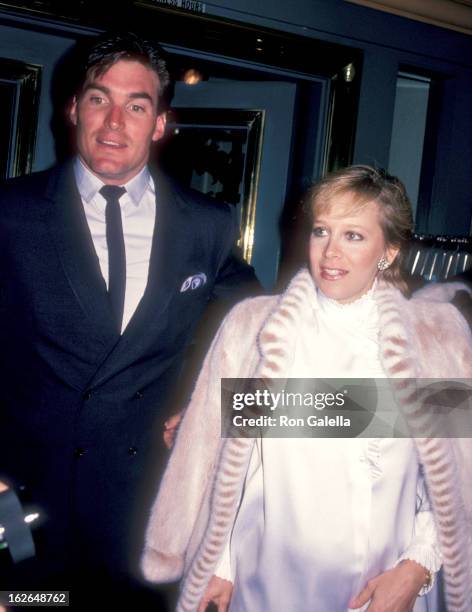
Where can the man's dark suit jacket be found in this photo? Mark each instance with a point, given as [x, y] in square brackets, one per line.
[79, 403]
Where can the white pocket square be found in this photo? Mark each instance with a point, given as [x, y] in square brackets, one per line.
[193, 282]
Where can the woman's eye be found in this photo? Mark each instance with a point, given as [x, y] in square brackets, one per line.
[354, 236]
[319, 231]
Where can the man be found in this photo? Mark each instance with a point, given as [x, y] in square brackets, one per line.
[97, 308]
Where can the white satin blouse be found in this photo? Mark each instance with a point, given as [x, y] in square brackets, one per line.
[320, 517]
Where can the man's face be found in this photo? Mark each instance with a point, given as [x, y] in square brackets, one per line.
[116, 116]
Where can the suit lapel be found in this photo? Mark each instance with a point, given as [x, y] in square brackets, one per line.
[170, 244]
[74, 245]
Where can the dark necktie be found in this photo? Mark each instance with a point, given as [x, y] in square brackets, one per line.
[116, 250]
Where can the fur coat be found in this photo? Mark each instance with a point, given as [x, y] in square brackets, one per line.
[200, 491]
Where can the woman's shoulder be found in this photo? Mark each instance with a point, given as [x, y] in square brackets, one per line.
[427, 315]
[441, 330]
[434, 304]
[428, 304]
[440, 292]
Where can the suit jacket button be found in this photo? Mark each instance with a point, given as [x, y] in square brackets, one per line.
[87, 394]
[79, 452]
[138, 395]
[132, 451]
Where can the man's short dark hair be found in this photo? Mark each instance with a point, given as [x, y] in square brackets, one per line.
[107, 50]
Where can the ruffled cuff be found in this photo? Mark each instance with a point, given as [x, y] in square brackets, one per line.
[426, 556]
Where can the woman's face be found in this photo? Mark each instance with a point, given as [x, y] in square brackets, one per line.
[345, 248]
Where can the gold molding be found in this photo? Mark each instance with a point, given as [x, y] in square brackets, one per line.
[452, 14]
[252, 121]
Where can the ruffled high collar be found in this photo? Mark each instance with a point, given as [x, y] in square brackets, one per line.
[362, 312]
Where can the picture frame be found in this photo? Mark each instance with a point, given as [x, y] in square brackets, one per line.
[19, 91]
[217, 152]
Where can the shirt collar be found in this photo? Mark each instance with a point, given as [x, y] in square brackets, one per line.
[362, 313]
[88, 184]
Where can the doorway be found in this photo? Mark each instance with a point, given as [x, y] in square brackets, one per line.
[233, 133]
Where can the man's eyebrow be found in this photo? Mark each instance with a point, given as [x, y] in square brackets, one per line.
[140, 94]
[93, 85]
[132, 96]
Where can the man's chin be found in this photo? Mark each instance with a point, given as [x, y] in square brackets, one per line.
[113, 173]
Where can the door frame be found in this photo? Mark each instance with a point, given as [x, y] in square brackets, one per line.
[340, 64]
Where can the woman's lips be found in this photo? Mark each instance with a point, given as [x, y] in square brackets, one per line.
[332, 274]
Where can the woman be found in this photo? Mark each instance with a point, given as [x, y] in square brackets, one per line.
[326, 524]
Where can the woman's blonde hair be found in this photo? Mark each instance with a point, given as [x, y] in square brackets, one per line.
[369, 184]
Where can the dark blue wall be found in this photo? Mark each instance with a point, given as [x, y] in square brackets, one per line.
[387, 41]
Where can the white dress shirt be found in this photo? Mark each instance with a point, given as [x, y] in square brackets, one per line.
[138, 214]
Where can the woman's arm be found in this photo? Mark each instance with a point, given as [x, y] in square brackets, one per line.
[396, 589]
[184, 485]
[424, 547]
[218, 592]
[220, 587]
[181, 508]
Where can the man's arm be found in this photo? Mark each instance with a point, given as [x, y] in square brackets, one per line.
[236, 280]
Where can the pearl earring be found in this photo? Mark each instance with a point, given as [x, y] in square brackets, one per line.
[382, 264]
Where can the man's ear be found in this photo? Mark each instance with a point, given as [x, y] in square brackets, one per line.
[73, 111]
[159, 127]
